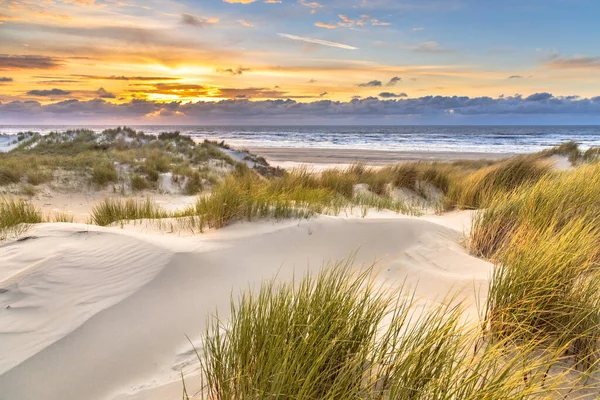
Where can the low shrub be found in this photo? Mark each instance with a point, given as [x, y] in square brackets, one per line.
[104, 174]
[139, 183]
[9, 175]
[37, 177]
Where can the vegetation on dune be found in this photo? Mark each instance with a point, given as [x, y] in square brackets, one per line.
[476, 190]
[568, 149]
[114, 210]
[339, 335]
[545, 240]
[591, 155]
[16, 216]
[120, 155]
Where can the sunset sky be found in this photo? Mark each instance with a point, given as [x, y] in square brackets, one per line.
[215, 61]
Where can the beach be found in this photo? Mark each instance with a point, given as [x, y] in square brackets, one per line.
[315, 157]
[118, 312]
[105, 312]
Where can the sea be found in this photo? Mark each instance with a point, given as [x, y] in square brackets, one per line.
[483, 139]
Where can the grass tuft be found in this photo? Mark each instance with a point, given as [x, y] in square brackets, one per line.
[16, 216]
[110, 211]
[339, 335]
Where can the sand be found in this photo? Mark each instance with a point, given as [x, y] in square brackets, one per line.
[102, 313]
[293, 157]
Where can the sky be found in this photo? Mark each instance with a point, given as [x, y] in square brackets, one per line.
[299, 61]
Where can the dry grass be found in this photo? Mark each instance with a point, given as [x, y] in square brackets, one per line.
[545, 239]
[16, 217]
[110, 211]
[339, 335]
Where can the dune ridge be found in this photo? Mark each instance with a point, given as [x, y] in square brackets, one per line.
[133, 317]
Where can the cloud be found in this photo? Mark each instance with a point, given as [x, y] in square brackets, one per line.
[326, 25]
[388, 95]
[48, 92]
[420, 28]
[312, 81]
[241, 1]
[237, 71]
[582, 62]
[539, 97]
[103, 94]
[429, 47]
[348, 22]
[193, 90]
[28, 61]
[394, 81]
[323, 94]
[318, 41]
[245, 23]
[373, 83]
[310, 4]
[376, 22]
[81, 2]
[5, 79]
[127, 78]
[192, 20]
[515, 77]
[542, 107]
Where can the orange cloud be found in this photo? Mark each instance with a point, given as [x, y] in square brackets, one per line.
[311, 4]
[325, 25]
[245, 23]
[239, 1]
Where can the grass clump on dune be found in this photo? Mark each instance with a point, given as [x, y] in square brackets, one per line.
[545, 240]
[103, 174]
[339, 335]
[591, 155]
[16, 216]
[477, 189]
[9, 175]
[114, 210]
[568, 149]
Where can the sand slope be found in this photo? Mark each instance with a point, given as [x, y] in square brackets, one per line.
[106, 312]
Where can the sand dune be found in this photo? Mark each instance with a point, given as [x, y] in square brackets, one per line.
[103, 313]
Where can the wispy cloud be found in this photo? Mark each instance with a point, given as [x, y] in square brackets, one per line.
[28, 61]
[48, 92]
[394, 81]
[189, 19]
[326, 25]
[389, 95]
[373, 83]
[103, 94]
[310, 4]
[430, 47]
[347, 22]
[233, 71]
[241, 1]
[127, 78]
[420, 28]
[515, 77]
[5, 79]
[580, 62]
[318, 41]
[245, 23]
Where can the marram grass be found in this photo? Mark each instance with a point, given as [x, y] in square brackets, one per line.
[545, 241]
[16, 216]
[339, 335]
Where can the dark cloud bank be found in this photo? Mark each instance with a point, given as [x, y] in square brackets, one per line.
[539, 107]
